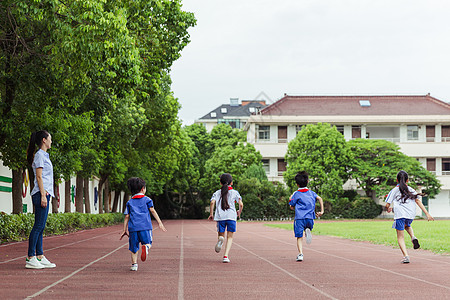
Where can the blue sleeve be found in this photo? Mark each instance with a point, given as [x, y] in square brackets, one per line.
[127, 211]
[149, 203]
[292, 200]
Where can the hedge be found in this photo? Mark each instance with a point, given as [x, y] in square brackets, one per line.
[18, 227]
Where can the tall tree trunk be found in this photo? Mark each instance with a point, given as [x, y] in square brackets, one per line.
[87, 199]
[55, 199]
[79, 194]
[67, 202]
[17, 182]
[125, 200]
[100, 193]
[107, 197]
[116, 200]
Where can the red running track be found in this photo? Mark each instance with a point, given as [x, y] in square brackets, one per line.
[182, 264]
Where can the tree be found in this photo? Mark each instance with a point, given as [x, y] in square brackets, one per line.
[321, 151]
[376, 163]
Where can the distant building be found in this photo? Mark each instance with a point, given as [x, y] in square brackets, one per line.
[419, 124]
[235, 114]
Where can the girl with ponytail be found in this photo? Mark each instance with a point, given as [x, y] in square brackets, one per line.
[404, 200]
[225, 214]
[40, 195]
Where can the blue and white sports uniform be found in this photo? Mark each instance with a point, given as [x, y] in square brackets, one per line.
[140, 224]
[226, 219]
[304, 203]
[404, 213]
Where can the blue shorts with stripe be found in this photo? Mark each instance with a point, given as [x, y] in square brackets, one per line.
[144, 237]
[230, 225]
[301, 224]
[401, 223]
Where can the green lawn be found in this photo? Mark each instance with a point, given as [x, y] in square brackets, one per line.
[433, 236]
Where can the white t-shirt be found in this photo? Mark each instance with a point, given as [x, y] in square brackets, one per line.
[229, 214]
[405, 210]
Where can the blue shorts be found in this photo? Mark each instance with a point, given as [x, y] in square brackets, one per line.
[230, 225]
[401, 223]
[301, 224]
[144, 237]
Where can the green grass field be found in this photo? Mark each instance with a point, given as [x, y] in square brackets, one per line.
[433, 236]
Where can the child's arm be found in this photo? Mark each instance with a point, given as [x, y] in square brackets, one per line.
[321, 206]
[125, 226]
[419, 202]
[211, 210]
[241, 206]
[155, 215]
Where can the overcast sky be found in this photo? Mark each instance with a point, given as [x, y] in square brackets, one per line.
[242, 48]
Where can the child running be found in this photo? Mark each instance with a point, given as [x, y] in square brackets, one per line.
[138, 224]
[303, 202]
[404, 199]
[225, 214]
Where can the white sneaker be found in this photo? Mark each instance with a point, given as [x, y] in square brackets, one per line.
[219, 244]
[226, 259]
[300, 257]
[46, 263]
[308, 235]
[33, 263]
[134, 267]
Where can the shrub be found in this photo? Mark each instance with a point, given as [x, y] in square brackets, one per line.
[18, 227]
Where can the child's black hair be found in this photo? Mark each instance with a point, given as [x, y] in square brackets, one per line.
[302, 179]
[402, 177]
[135, 184]
[225, 180]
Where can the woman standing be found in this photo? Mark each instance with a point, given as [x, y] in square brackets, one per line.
[40, 195]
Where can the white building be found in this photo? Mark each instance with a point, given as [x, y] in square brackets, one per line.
[234, 114]
[420, 125]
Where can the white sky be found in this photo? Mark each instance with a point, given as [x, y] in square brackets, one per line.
[241, 48]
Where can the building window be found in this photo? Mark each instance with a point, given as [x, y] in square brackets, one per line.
[431, 164]
[446, 166]
[266, 165]
[431, 133]
[223, 110]
[298, 128]
[264, 133]
[213, 115]
[340, 128]
[234, 123]
[251, 110]
[356, 132]
[282, 134]
[413, 132]
[281, 167]
[445, 133]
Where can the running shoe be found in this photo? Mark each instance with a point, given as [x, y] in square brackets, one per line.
[308, 235]
[405, 260]
[415, 243]
[219, 244]
[134, 267]
[46, 263]
[33, 263]
[144, 252]
[226, 259]
[300, 257]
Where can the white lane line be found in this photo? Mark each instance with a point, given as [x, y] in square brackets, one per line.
[280, 268]
[181, 268]
[287, 272]
[75, 272]
[65, 245]
[364, 264]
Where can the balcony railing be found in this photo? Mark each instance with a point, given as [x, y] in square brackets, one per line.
[389, 139]
[282, 141]
[431, 139]
[445, 139]
[445, 173]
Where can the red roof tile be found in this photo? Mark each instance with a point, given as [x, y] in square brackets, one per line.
[350, 105]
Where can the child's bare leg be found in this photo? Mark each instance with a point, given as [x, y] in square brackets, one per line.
[410, 231]
[134, 257]
[229, 242]
[299, 245]
[401, 241]
[219, 234]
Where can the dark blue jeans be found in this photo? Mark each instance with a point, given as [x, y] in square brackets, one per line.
[40, 218]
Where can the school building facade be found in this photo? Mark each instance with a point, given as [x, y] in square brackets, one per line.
[418, 124]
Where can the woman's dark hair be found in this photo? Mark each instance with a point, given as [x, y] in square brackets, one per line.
[225, 180]
[402, 177]
[135, 185]
[35, 140]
